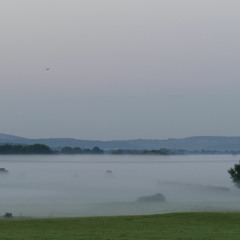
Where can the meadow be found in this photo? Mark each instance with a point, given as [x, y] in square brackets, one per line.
[165, 226]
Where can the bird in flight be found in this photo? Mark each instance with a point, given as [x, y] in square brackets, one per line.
[47, 69]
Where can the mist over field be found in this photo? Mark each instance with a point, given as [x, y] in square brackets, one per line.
[59, 186]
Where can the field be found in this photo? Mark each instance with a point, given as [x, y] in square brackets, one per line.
[167, 226]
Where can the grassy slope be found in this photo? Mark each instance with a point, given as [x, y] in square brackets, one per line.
[169, 226]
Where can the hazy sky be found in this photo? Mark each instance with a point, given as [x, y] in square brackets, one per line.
[119, 69]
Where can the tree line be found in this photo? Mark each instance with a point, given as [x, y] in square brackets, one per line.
[25, 149]
[44, 149]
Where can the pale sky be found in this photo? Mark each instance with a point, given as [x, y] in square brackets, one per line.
[119, 69]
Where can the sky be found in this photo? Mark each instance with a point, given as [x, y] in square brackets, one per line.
[126, 69]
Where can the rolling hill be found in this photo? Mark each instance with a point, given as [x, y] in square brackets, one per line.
[196, 143]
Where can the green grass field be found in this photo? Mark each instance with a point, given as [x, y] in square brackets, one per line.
[180, 226]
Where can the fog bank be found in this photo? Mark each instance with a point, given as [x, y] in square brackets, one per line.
[63, 186]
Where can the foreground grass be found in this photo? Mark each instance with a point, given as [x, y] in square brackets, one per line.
[180, 226]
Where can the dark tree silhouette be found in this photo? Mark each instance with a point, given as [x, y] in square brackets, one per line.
[25, 149]
[235, 174]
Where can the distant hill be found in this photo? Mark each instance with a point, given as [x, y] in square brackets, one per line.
[197, 143]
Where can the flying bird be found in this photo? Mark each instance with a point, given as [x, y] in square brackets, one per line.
[47, 69]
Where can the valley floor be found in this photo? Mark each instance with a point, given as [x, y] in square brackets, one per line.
[214, 226]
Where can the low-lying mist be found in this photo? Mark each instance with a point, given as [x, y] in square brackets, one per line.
[87, 185]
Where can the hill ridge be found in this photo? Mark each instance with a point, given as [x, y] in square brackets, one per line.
[194, 143]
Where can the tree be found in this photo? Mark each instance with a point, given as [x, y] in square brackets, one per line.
[235, 174]
[97, 150]
[38, 149]
[66, 150]
[69, 150]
